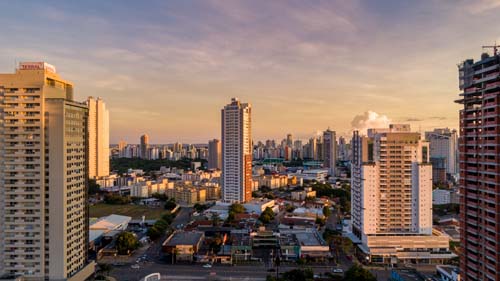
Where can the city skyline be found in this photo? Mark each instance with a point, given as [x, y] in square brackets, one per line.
[330, 62]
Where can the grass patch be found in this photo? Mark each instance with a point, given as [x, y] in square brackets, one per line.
[134, 211]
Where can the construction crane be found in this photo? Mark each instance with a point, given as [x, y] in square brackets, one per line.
[494, 47]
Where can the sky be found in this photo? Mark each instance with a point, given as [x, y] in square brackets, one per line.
[166, 68]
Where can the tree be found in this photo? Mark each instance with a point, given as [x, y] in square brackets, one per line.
[94, 188]
[289, 208]
[168, 217]
[170, 204]
[200, 207]
[161, 197]
[267, 216]
[237, 208]
[299, 275]
[126, 242]
[326, 211]
[320, 221]
[116, 199]
[154, 233]
[230, 217]
[358, 273]
[215, 244]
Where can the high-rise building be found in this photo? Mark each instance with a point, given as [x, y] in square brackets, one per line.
[236, 152]
[289, 140]
[479, 149]
[343, 150]
[43, 176]
[391, 199]
[144, 149]
[122, 145]
[443, 144]
[214, 154]
[98, 134]
[313, 148]
[330, 151]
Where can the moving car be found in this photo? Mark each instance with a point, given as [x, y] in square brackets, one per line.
[207, 265]
[338, 270]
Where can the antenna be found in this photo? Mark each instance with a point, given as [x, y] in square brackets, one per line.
[494, 47]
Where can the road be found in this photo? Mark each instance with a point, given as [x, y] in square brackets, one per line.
[198, 272]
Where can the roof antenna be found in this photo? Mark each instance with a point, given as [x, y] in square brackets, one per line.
[494, 47]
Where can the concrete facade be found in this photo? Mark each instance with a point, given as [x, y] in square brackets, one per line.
[43, 176]
[391, 198]
[236, 152]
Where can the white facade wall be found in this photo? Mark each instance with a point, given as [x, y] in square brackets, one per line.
[236, 146]
[98, 138]
[370, 199]
[441, 197]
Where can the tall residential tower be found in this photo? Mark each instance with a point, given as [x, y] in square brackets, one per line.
[98, 134]
[236, 152]
[144, 148]
[391, 197]
[214, 154]
[479, 150]
[43, 176]
[330, 151]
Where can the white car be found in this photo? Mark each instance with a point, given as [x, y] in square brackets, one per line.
[207, 265]
[338, 270]
[135, 266]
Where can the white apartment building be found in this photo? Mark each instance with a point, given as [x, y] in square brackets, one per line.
[43, 174]
[98, 138]
[392, 197]
[444, 144]
[236, 152]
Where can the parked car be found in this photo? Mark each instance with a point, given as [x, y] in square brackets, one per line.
[207, 265]
[338, 270]
[135, 266]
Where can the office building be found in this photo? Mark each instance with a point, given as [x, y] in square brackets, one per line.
[144, 147]
[214, 154]
[236, 152]
[330, 151]
[479, 149]
[391, 198]
[43, 176]
[98, 138]
[443, 143]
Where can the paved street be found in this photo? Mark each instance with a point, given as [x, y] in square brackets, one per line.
[198, 272]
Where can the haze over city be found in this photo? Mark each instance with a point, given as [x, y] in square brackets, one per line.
[166, 67]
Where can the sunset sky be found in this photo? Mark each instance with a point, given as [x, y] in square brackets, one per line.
[166, 68]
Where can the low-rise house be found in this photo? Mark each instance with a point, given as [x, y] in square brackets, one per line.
[303, 194]
[257, 206]
[183, 244]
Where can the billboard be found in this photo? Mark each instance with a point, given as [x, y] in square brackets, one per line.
[37, 66]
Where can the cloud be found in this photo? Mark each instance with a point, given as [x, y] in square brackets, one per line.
[438, 118]
[412, 119]
[369, 119]
[480, 6]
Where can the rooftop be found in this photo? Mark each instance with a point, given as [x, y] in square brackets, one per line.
[184, 238]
